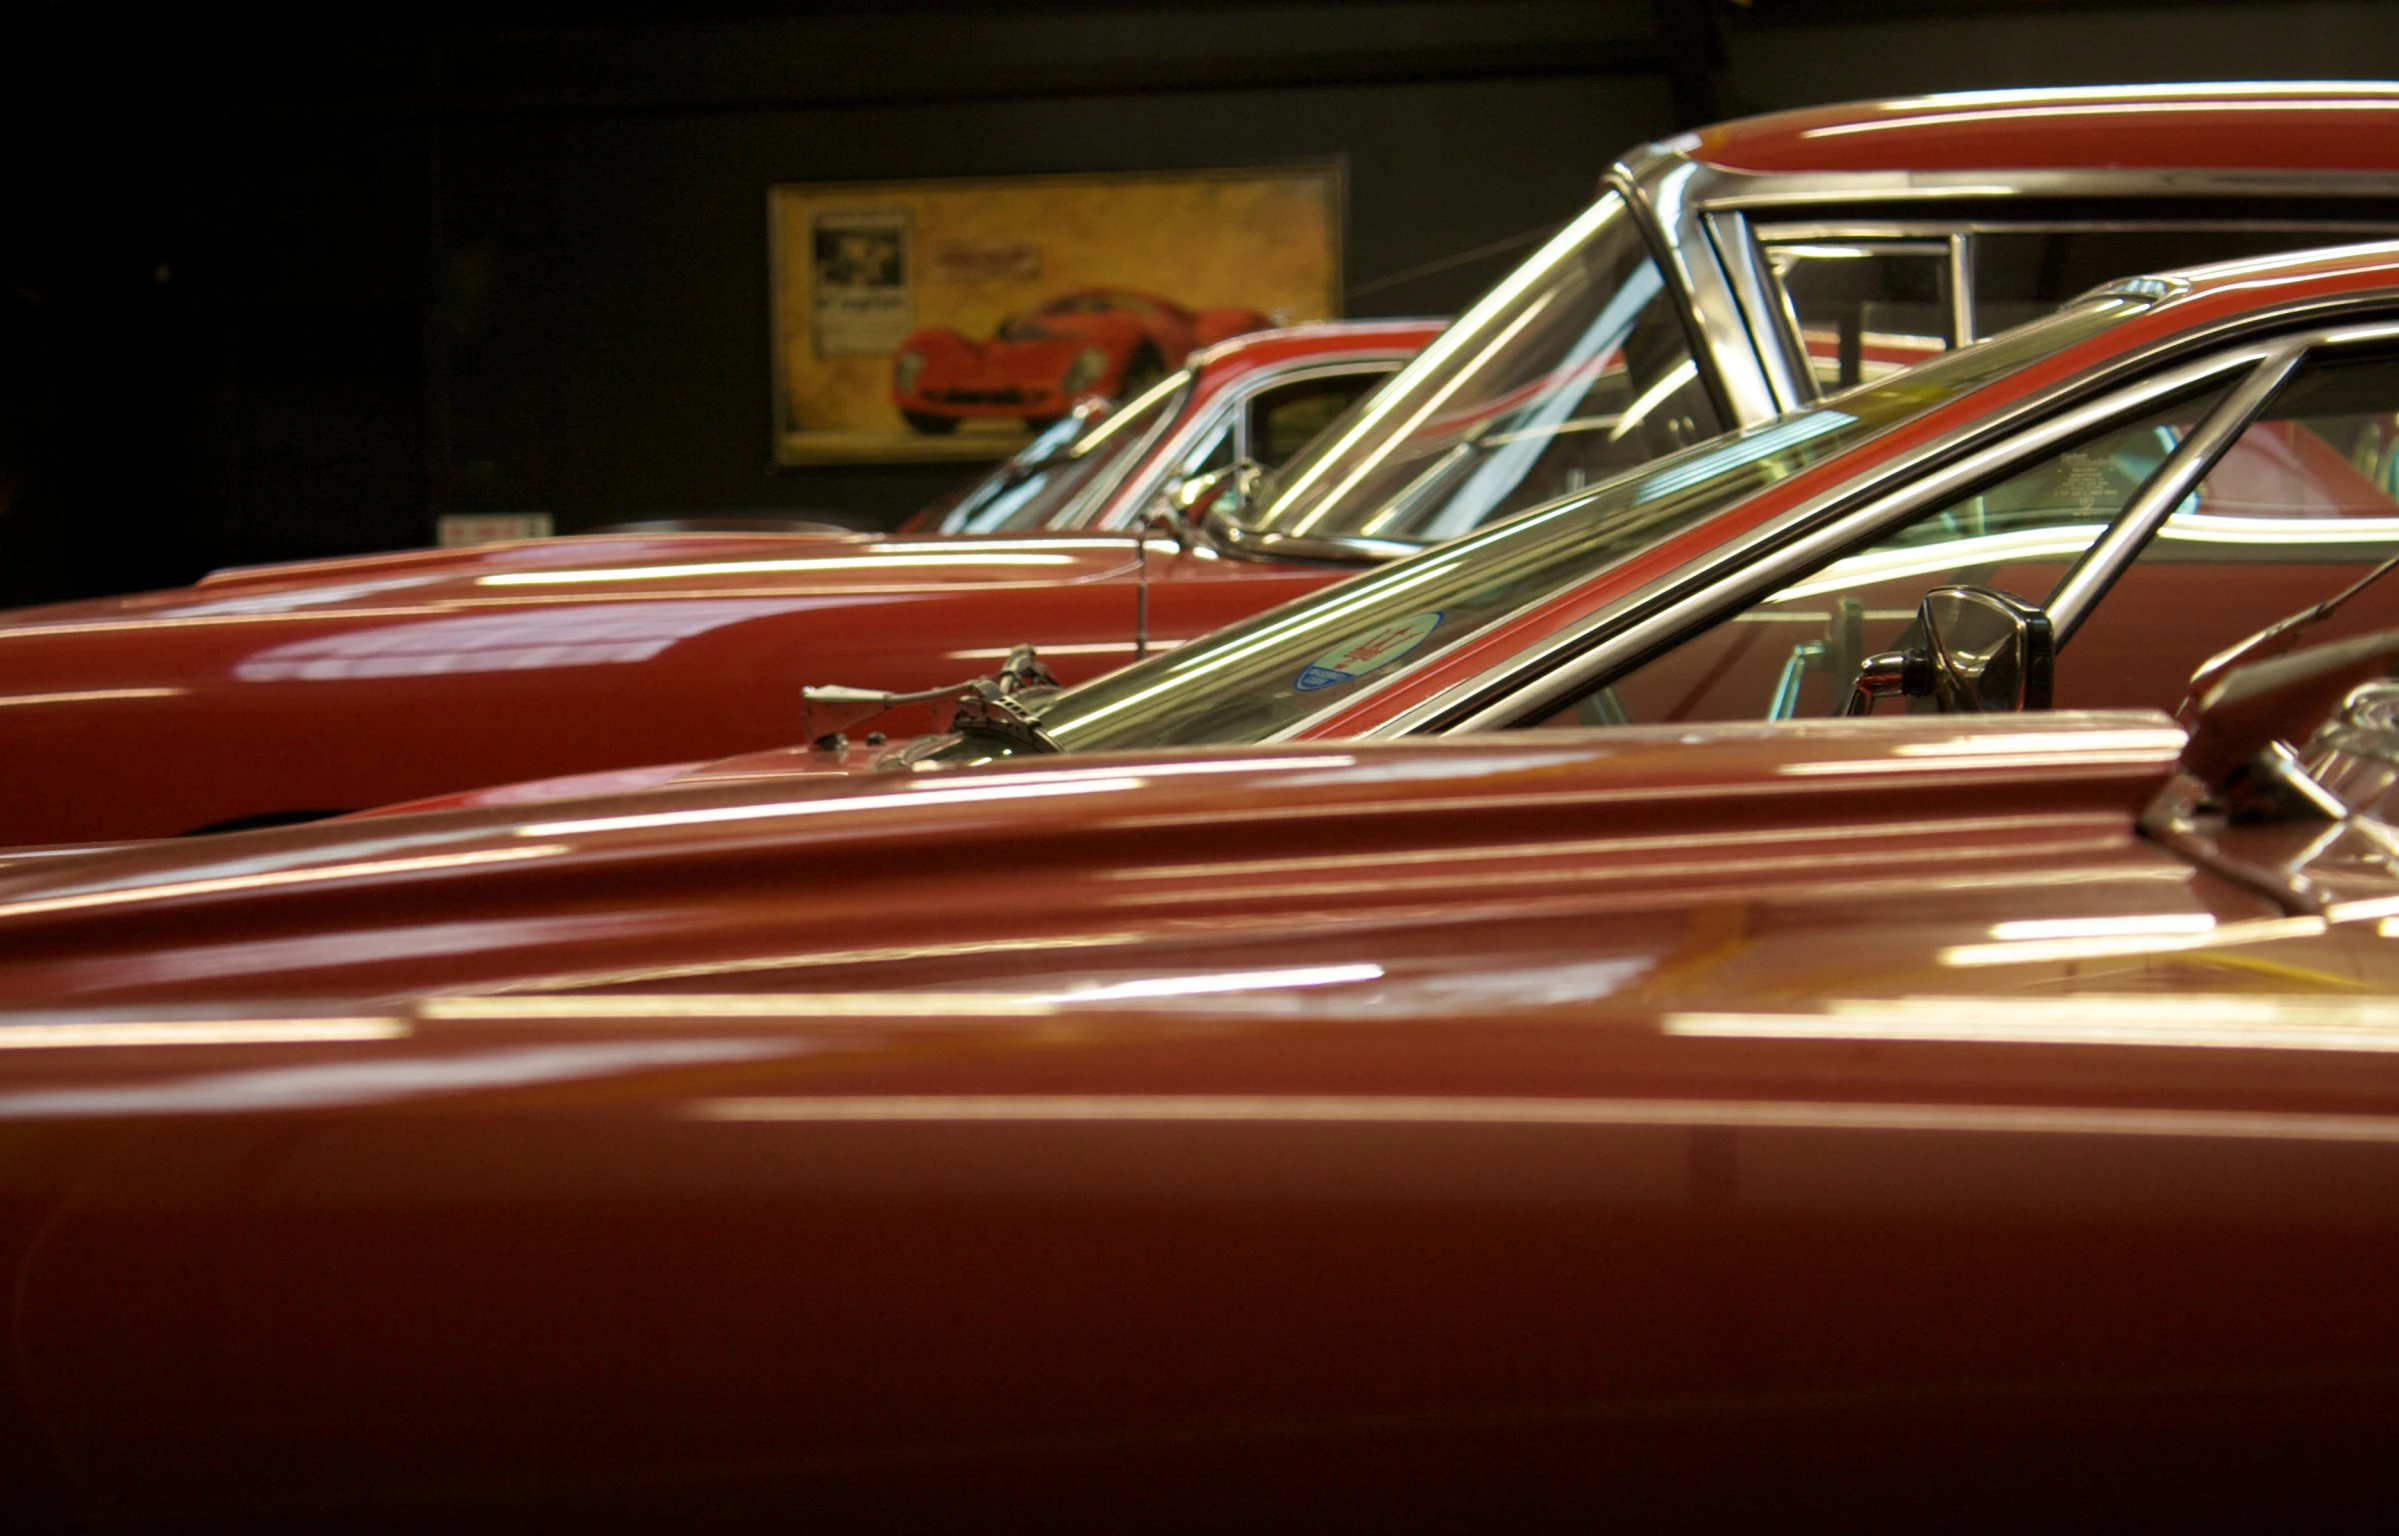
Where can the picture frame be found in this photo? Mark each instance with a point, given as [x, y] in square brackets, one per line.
[949, 319]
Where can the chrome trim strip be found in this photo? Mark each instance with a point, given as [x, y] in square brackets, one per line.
[1961, 289]
[1760, 299]
[2357, 334]
[1236, 538]
[1437, 713]
[1807, 535]
[2106, 559]
[1728, 188]
[1934, 229]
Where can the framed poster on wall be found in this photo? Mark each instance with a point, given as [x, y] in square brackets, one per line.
[951, 319]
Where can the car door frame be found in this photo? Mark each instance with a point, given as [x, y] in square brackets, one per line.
[1588, 654]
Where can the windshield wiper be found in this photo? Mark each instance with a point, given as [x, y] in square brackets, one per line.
[2276, 639]
[1234, 536]
[994, 706]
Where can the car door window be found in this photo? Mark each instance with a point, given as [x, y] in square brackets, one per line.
[1866, 305]
[2304, 502]
[1865, 308]
[2021, 274]
[1286, 418]
[1797, 653]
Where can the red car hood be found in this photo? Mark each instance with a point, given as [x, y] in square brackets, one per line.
[788, 764]
[1859, 850]
[606, 565]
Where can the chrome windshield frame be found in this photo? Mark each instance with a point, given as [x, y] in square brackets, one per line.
[1723, 359]
[1668, 195]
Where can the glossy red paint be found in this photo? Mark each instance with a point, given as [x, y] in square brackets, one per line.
[2147, 645]
[1421, 860]
[335, 685]
[120, 763]
[2270, 125]
[1105, 341]
[1607, 1126]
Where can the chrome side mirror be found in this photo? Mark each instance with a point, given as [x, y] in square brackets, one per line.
[1984, 652]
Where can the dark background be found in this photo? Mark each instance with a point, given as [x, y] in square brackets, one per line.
[280, 288]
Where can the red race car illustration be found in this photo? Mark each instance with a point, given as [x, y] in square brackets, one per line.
[1097, 341]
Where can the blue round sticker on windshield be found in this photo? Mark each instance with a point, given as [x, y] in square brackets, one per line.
[1378, 647]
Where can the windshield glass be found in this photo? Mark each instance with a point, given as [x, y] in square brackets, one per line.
[1252, 680]
[1062, 477]
[1576, 368]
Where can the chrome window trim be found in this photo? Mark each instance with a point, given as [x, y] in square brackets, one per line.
[1962, 234]
[1961, 288]
[1721, 187]
[1658, 187]
[1124, 509]
[2230, 343]
[2357, 335]
[1790, 341]
[2092, 575]
[1776, 232]
[1807, 535]
[2130, 534]
[1764, 307]
[2270, 361]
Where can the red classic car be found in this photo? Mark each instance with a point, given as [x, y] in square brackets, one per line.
[358, 681]
[2163, 469]
[1720, 1127]
[1098, 341]
[1675, 306]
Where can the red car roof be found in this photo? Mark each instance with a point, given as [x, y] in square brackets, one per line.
[2284, 126]
[1253, 349]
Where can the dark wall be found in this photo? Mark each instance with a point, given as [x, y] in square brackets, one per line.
[271, 290]
[278, 292]
[603, 251]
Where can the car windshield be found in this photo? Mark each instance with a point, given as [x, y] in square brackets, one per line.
[1257, 678]
[1061, 477]
[1574, 369]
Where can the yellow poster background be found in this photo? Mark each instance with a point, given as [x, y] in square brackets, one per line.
[1266, 239]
